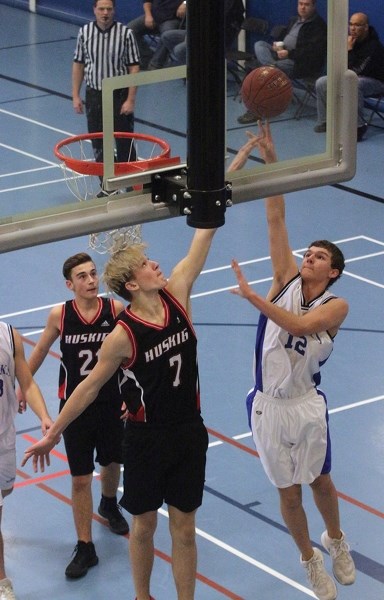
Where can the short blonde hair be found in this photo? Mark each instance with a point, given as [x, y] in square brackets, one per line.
[120, 267]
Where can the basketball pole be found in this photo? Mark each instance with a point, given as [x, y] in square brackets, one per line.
[206, 78]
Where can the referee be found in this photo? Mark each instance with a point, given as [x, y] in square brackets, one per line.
[105, 48]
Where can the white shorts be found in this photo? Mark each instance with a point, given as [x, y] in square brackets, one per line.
[8, 459]
[291, 437]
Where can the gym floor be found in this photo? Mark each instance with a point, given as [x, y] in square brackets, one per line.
[245, 551]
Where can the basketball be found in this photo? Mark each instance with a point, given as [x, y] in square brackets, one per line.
[266, 92]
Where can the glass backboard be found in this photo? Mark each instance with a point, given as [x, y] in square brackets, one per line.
[157, 192]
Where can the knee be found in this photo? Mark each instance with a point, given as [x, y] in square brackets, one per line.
[291, 498]
[167, 40]
[182, 527]
[261, 45]
[323, 485]
[144, 526]
[321, 84]
[185, 534]
[81, 482]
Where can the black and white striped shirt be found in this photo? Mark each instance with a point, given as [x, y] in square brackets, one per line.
[105, 53]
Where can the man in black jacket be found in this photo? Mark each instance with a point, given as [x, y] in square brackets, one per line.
[366, 59]
[301, 51]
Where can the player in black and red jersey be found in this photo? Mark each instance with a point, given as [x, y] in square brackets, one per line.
[82, 324]
[153, 347]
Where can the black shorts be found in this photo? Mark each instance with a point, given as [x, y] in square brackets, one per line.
[164, 464]
[98, 428]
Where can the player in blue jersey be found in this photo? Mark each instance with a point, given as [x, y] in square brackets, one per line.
[299, 320]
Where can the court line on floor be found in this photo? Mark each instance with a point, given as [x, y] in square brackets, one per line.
[207, 536]
[227, 288]
[249, 559]
[62, 497]
[231, 441]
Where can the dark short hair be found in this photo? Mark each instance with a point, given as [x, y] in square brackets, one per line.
[96, 1]
[74, 261]
[337, 257]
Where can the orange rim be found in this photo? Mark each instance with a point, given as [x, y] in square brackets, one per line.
[85, 167]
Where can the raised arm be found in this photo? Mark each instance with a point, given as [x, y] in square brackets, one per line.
[244, 152]
[283, 262]
[188, 269]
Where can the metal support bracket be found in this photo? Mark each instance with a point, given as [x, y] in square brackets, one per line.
[172, 188]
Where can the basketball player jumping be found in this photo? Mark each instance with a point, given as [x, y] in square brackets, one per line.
[288, 415]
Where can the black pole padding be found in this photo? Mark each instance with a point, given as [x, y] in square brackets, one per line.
[206, 78]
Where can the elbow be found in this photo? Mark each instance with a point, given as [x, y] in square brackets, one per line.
[298, 330]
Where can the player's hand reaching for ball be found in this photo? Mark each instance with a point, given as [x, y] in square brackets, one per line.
[264, 143]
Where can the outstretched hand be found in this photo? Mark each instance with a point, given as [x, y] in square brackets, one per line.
[244, 288]
[262, 141]
[39, 453]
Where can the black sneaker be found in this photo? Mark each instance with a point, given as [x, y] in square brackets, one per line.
[85, 557]
[117, 523]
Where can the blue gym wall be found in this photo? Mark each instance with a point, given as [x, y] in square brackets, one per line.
[78, 11]
[275, 11]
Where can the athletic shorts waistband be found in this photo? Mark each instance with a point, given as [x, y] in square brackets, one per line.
[310, 395]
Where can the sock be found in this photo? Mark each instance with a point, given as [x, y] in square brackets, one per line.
[108, 503]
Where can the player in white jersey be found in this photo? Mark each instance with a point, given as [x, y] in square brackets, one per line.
[299, 319]
[13, 366]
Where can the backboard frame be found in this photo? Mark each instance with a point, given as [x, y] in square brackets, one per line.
[336, 164]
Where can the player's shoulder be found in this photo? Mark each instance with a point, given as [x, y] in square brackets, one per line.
[55, 314]
[117, 307]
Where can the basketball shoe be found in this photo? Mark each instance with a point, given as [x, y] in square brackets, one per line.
[6, 590]
[108, 509]
[321, 583]
[342, 561]
[85, 557]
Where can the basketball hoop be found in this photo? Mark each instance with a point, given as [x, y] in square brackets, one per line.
[83, 176]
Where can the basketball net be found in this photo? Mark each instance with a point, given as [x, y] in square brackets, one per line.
[83, 176]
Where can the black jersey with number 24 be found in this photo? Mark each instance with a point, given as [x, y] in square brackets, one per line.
[80, 343]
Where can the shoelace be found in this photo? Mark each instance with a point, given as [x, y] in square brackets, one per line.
[317, 573]
[339, 549]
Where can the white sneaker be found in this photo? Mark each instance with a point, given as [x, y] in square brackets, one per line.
[342, 561]
[6, 590]
[321, 583]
